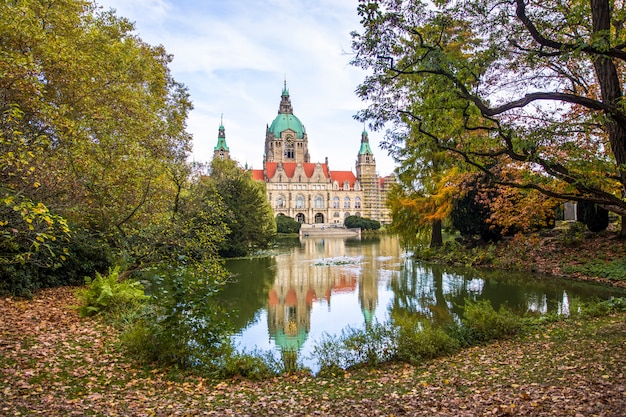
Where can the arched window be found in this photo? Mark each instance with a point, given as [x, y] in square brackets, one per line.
[357, 202]
[280, 201]
[336, 214]
[346, 214]
[319, 201]
[299, 202]
[346, 185]
[346, 202]
[335, 185]
[336, 202]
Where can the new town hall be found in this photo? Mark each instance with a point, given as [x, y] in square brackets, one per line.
[311, 192]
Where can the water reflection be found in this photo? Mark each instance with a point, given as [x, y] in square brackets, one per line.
[314, 286]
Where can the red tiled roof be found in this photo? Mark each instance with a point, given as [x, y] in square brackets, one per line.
[290, 168]
[343, 176]
[270, 169]
[257, 174]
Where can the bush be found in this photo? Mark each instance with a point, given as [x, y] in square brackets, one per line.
[106, 294]
[421, 340]
[356, 222]
[470, 215]
[83, 255]
[483, 323]
[353, 347]
[286, 224]
[184, 325]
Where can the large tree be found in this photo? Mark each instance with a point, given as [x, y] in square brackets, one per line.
[92, 131]
[249, 216]
[530, 86]
[101, 115]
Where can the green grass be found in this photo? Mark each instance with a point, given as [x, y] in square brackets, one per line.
[614, 270]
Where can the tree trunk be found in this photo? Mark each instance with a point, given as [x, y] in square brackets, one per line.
[436, 239]
[610, 85]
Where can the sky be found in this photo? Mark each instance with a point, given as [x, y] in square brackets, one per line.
[235, 55]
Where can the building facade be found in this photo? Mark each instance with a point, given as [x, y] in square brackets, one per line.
[311, 192]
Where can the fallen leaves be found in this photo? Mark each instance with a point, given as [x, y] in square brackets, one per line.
[53, 363]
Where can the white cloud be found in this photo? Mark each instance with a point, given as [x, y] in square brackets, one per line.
[233, 57]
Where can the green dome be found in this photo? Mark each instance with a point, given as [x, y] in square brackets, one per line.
[286, 121]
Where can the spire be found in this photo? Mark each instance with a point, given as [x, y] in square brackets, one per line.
[221, 137]
[365, 144]
[285, 90]
[285, 102]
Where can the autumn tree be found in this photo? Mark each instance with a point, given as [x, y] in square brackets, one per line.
[93, 128]
[426, 185]
[529, 85]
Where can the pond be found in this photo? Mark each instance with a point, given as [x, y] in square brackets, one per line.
[317, 286]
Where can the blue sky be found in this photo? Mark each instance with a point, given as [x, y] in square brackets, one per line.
[234, 55]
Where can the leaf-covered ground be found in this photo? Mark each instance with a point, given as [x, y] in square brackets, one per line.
[553, 255]
[53, 363]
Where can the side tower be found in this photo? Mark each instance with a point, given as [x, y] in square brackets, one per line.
[366, 174]
[286, 139]
[221, 150]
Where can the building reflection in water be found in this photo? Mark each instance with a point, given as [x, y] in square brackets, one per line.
[289, 302]
[319, 271]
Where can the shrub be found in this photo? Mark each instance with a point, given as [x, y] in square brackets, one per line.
[83, 255]
[353, 347]
[421, 340]
[106, 294]
[285, 224]
[483, 323]
[184, 325]
[356, 222]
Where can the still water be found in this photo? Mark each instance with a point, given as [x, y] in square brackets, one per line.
[316, 286]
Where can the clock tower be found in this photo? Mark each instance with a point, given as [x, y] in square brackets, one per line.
[366, 174]
[221, 150]
[286, 139]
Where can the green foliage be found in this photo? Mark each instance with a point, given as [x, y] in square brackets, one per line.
[483, 323]
[596, 218]
[253, 365]
[604, 307]
[614, 269]
[353, 347]
[107, 294]
[411, 340]
[441, 76]
[106, 160]
[357, 222]
[286, 224]
[574, 233]
[248, 215]
[453, 252]
[183, 325]
[421, 340]
[83, 255]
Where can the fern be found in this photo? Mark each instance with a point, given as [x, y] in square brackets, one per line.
[106, 294]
